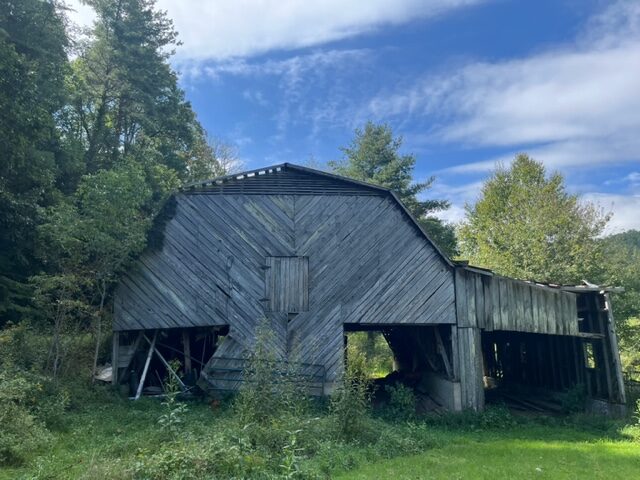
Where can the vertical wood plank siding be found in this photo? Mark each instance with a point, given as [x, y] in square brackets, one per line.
[492, 302]
[470, 366]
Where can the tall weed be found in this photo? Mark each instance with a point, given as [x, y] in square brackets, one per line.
[350, 404]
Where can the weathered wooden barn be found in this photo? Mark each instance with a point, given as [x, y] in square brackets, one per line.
[316, 256]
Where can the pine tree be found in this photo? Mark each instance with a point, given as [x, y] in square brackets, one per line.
[373, 156]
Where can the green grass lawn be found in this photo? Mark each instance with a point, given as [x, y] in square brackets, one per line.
[104, 439]
[549, 452]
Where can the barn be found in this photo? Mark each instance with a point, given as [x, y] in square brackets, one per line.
[315, 256]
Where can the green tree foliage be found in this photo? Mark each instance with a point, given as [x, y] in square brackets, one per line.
[374, 157]
[621, 265]
[527, 226]
[33, 65]
[93, 235]
[125, 98]
[91, 150]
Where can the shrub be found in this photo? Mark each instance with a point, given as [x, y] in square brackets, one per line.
[350, 404]
[574, 399]
[213, 457]
[270, 388]
[20, 429]
[402, 402]
[493, 417]
[174, 411]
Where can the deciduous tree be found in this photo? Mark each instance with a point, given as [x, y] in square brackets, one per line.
[526, 225]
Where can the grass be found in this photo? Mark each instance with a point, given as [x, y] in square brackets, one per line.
[106, 437]
[536, 452]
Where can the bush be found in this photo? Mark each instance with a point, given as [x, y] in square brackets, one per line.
[402, 402]
[350, 404]
[210, 458]
[493, 417]
[270, 388]
[574, 399]
[20, 428]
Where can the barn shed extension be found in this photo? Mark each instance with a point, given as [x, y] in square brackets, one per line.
[314, 255]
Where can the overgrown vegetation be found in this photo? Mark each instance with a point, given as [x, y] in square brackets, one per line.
[95, 135]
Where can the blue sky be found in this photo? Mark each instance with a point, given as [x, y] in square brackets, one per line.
[467, 83]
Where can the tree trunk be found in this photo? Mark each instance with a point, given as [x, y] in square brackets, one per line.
[103, 294]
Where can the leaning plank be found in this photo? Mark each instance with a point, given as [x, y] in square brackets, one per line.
[146, 365]
[114, 358]
[164, 362]
[615, 352]
[443, 353]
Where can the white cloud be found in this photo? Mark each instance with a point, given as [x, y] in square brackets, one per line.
[625, 209]
[219, 29]
[575, 105]
[459, 196]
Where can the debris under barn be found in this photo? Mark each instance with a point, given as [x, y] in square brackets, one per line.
[317, 255]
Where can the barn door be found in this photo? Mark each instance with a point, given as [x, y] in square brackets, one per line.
[287, 284]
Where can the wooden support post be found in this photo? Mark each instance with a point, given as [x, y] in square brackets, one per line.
[114, 358]
[615, 352]
[146, 365]
[576, 360]
[553, 373]
[164, 362]
[603, 347]
[186, 342]
[454, 352]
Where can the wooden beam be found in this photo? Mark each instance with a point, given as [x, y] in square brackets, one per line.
[615, 352]
[164, 362]
[114, 357]
[146, 365]
[454, 353]
[443, 353]
[186, 342]
[604, 347]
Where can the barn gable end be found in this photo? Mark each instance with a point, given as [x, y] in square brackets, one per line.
[317, 255]
[366, 261]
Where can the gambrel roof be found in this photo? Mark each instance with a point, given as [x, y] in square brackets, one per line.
[290, 179]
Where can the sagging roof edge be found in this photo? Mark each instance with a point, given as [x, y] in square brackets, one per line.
[333, 176]
[585, 287]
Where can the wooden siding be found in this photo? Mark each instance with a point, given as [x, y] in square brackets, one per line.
[493, 302]
[367, 263]
[469, 352]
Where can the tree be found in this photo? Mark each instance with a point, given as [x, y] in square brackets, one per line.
[125, 96]
[90, 238]
[218, 158]
[621, 265]
[33, 65]
[527, 226]
[374, 157]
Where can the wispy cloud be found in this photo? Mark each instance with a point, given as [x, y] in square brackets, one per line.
[625, 210]
[575, 105]
[219, 30]
[297, 79]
